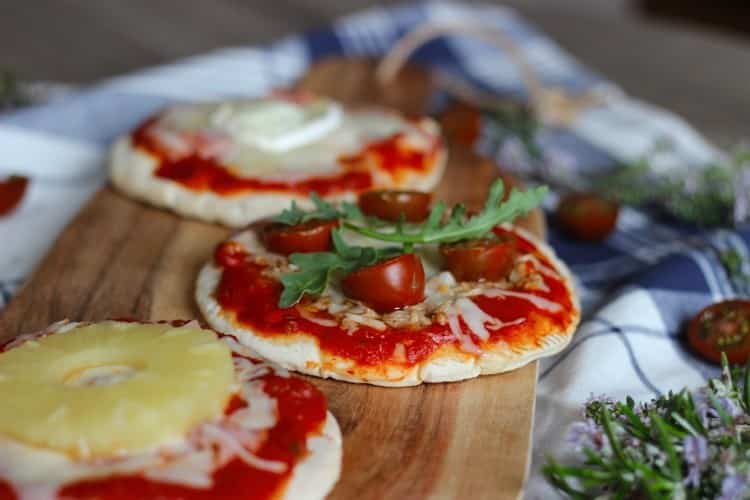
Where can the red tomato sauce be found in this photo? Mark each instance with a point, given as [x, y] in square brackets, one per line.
[301, 411]
[391, 154]
[200, 173]
[253, 297]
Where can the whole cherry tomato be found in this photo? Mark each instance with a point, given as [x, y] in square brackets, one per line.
[722, 327]
[12, 190]
[388, 285]
[230, 254]
[310, 236]
[587, 216]
[461, 123]
[490, 259]
[389, 204]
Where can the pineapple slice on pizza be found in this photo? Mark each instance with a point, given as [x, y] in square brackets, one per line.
[117, 410]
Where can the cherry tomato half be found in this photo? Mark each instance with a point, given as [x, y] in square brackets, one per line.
[461, 123]
[388, 285]
[724, 326]
[230, 254]
[310, 236]
[491, 259]
[587, 216]
[12, 190]
[389, 204]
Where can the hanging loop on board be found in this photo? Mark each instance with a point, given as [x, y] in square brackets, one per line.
[552, 106]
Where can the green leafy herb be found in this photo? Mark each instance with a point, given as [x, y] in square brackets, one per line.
[323, 211]
[295, 215]
[515, 121]
[732, 261]
[456, 227]
[317, 268]
[704, 196]
[11, 94]
[680, 445]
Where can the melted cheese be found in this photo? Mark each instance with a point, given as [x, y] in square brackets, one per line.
[443, 294]
[277, 125]
[537, 301]
[278, 140]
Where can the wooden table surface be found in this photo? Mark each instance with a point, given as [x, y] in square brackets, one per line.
[697, 72]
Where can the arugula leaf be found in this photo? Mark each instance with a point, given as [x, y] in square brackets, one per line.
[317, 268]
[457, 227]
[294, 215]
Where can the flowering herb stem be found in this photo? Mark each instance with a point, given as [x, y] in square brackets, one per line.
[691, 445]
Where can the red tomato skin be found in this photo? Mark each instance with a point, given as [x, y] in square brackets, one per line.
[389, 204]
[388, 285]
[311, 236]
[12, 190]
[230, 254]
[461, 123]
[480, 259]
[712, 331]
[587, 216]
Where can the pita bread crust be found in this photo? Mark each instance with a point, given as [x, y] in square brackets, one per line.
[132, 172]
[301, 352]
[314, 477]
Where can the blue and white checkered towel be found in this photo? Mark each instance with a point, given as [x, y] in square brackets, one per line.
[637, 289]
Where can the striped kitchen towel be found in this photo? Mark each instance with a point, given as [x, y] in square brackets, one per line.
[638, 288]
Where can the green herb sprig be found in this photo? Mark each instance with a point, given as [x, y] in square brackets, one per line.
[457, 227]
[11, 92]
[509, 121]
[323, 211]
[317, 268]
[704, 196]
[691, 445]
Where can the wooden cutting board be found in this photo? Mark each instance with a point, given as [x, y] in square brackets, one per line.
[120, 258]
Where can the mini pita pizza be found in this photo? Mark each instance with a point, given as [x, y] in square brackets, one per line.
[459, 296]
[123, 410]
[235, 162]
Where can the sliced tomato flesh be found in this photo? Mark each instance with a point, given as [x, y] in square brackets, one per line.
[721, 327]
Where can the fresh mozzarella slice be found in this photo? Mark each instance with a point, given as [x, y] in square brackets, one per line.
[277, 125]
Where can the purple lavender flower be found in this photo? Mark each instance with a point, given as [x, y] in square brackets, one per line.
[734, 487]
[587, 434]
[695, 451]
[730, 406]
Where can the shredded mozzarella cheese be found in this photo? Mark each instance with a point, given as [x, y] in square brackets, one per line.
[536, 300]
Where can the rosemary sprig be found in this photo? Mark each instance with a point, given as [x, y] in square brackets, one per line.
[515, 121]
[11, 94]
[687, 445]
[704, 196]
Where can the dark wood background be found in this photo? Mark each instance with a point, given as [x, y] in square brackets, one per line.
[693, 68]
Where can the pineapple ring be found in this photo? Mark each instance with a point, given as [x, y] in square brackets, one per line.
[112, 388]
